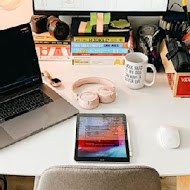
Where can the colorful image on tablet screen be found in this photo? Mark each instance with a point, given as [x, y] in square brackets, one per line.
[102, 137]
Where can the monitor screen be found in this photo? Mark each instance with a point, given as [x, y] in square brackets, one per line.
[85, 6]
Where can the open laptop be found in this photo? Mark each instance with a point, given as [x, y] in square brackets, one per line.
[27, 106]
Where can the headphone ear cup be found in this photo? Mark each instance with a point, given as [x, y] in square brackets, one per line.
[106, 95]
[88, 100]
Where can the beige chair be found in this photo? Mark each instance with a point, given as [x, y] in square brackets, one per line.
[99, 178]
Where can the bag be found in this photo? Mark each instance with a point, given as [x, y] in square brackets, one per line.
[178, 53]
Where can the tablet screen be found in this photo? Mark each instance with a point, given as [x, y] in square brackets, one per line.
[101, 137]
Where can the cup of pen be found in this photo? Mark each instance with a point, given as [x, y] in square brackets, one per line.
[136, 64]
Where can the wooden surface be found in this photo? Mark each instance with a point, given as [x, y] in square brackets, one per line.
[26, 183]
[168, 183]
[19, 183]
[183, 183]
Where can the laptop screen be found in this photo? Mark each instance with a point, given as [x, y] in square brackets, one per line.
[18, 60]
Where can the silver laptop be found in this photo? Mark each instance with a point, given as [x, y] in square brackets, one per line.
[27, 106]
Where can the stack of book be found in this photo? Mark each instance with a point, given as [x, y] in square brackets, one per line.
[49, 48]
[108, 48]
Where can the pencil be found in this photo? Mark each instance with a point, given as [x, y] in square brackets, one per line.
[184, 2]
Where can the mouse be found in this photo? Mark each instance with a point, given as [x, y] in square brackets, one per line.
[169, 136]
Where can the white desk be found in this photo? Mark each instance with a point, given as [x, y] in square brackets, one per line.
[146, 109]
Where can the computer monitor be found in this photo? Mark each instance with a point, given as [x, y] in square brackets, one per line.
[84, 7]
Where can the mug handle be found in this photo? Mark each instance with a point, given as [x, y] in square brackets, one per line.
[154, 75]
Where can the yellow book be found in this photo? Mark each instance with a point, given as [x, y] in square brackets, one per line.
[99, 38]
[46, 37]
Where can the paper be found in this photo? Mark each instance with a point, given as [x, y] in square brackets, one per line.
[82, 27]
[88, 28]
[100, 24]
[93, 19]
[121, 23]
[107, 17]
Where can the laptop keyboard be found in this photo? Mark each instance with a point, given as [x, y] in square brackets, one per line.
[23, 104]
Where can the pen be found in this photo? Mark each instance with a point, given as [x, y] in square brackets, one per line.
[184, 2]
[129, 140]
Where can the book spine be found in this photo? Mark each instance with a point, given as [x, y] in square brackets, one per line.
[96, 60]
[52, 53]
[48, 38]
[53, 45]
[98, 45]
[99, 50]
[52, 42]
[99, 39]
[99, 54]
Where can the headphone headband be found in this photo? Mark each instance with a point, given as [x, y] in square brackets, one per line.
[93, 80]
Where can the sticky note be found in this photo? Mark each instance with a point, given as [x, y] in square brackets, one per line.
[88, 28]
[121, 23]
[82, 27]
[107, 17]
[93, 19]
[100, 24]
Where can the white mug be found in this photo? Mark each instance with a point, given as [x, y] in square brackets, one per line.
[136, 65]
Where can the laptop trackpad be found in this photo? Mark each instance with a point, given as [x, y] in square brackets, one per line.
[39, 119]
[25, 125]
[5, 138]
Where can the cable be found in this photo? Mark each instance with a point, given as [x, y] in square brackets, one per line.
[184, 7]
[175, 4]
[4, 180]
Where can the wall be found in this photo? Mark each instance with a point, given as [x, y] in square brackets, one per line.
[16, 17]
[23, 13]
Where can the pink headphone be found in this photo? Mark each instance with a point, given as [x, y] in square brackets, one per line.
[90, 100]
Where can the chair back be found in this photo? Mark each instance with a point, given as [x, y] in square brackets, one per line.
[100, 178]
